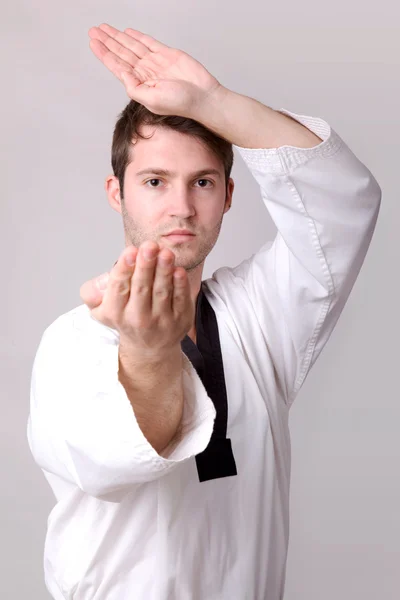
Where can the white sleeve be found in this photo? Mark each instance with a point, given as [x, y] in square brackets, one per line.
[81, 425]
[324, 203]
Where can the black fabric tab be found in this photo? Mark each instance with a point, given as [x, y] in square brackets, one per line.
[217, 460]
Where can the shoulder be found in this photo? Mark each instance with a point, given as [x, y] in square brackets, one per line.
[229, 285]
[77, 327]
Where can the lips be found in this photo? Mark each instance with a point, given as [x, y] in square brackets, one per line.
[180, 232]
[179, 237]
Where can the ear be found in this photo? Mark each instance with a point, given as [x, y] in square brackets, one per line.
[229, 194]
[112, 188]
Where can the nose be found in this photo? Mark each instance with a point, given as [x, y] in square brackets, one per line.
[181, 202]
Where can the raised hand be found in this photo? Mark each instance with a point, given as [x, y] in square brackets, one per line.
[148, 302]
[167, 81]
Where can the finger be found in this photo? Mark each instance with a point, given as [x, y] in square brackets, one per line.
[147, 41]
[119, 49]
[142, 280]
[163, 284]
[92, 291]
[181, 292]
[115, 64]
[126, 40]
[118, 288]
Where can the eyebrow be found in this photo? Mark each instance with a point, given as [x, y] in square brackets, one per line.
[166, 173]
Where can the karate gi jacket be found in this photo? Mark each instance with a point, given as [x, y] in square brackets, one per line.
[209, 518]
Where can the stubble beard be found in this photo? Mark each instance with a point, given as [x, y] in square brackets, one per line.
[184, 257]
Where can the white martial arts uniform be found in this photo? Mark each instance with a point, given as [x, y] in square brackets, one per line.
[130, 524]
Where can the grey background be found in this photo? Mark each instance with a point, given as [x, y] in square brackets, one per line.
[339, 61]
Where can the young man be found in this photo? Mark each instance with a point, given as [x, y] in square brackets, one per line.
[159, 407]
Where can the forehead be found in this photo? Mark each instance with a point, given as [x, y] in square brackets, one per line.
[169, 149]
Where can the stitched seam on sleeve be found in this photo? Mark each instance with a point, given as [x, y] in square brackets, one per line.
[283, 160]
[331, 291]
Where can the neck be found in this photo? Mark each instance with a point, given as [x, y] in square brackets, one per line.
[195, 286]
[195, 282]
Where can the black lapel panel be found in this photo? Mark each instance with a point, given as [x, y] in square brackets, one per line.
[217, 459]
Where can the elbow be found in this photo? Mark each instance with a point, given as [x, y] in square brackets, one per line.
[111, 485]
[103, 474]
[100, 489]
[102, 482]
[374, 194]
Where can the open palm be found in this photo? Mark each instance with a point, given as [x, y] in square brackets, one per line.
[166, 80]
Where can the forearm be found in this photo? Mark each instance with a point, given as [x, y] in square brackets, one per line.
[155, 390]
[248, 123]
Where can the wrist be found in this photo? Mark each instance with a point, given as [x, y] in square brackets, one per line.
[210, 102]
[130, 352]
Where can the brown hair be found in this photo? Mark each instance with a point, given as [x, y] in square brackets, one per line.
[127, 131]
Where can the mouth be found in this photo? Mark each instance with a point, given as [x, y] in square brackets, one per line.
[179, 237]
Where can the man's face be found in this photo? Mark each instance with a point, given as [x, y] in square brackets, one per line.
[154, 203]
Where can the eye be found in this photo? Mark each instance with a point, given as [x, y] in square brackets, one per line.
[151, 180]
[207, 180]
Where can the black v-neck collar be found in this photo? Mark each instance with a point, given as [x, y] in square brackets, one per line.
[217, 459]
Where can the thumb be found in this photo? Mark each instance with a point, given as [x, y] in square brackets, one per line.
[135, 89]
[92, 291]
